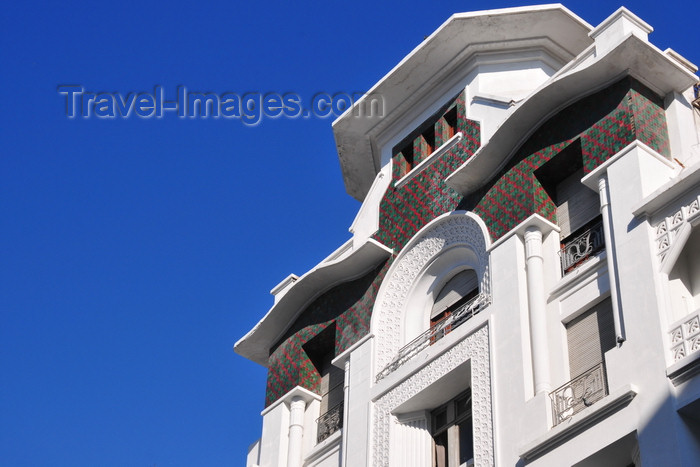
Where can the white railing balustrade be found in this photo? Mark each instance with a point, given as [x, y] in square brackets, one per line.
[436, 332]
[579, 249]
[685, 336]
[579, 393]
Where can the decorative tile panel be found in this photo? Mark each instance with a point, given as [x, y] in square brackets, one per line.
[604, 123]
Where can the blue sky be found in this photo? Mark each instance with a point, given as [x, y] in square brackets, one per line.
[135, 252]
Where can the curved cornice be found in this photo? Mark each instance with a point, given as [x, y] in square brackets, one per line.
[257, 343]
[587, 74]
[440, 57]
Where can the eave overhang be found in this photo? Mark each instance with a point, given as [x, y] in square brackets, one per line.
[462, 38]
[661, 71]
[257, 343]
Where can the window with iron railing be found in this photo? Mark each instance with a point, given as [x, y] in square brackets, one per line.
[582, 245]
[577, 206]
[589, 336]
[458, 317]
[331, 419]
[461, 288]
[321, 351]
[583, 391]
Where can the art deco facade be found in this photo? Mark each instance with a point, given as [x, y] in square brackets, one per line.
[522, 284]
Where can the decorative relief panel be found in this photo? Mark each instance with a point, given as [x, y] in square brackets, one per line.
[474, 347]
[667, 230]
[443, 233]
[684, 337]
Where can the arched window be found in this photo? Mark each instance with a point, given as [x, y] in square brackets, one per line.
[455, 293]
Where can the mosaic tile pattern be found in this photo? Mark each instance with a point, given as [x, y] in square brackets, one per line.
[406, 210]
[349, 305]
[650, 121]
[602, 123]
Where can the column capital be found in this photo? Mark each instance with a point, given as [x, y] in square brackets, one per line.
[297, 392]
[535, 225]
[534, 221]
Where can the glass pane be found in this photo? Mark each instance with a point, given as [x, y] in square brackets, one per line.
[463, 405]
[466, 444]
[439, 419]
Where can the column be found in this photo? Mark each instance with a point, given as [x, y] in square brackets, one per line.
[537, 307]
[296, 431]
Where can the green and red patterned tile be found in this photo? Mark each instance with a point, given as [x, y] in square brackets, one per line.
[602, 123]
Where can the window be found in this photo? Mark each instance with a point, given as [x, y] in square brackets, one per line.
[424, 140]
[451, 429]
[427, 141]
[450, 124]
[457, 291]
[561, 179]
[577, 207]
[589, 336]
[321, 351]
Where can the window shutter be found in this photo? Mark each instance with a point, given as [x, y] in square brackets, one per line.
[576, 204]
[590, 336]
[457, 287]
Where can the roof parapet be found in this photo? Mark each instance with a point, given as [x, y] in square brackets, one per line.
[616, 27]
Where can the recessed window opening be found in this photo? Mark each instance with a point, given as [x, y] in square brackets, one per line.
[455, 293]
[589, 337]
[577, 207]
[425, 139]
[321, 351]
[428, 141]
[452, 431]
[450, 123]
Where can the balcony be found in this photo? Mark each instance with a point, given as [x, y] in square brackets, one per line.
[436, 332]
[329, 422]
[579, 393]
[578, 249]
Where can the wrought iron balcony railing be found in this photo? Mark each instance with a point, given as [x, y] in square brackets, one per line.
[329, 422]
[584, 246]
[579, 393]
[436, 332]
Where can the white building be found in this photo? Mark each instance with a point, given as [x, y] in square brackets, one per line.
[522, 285]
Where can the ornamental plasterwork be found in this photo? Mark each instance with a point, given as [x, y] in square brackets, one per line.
[685, 337]
[443, 233]
[666, 231]
[474, 347]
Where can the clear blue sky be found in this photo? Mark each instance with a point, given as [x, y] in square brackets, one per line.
[135, 252]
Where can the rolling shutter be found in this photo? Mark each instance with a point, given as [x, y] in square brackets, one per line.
[576, 204]
[459, 286]
[590, 336]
